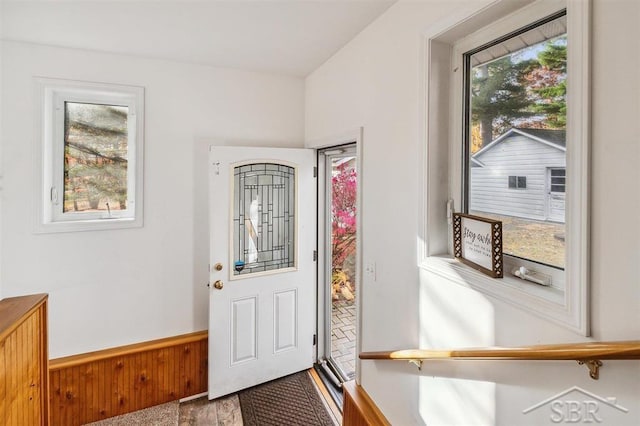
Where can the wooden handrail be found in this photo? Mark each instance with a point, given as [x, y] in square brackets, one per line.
[590, 353]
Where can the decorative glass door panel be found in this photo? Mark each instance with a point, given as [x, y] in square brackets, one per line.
[263, 222]
[262, 213]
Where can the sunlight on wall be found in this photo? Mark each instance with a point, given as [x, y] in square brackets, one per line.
[454, 316]
[446, 401]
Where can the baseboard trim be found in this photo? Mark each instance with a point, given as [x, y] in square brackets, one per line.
[359, 409]
[93, 386]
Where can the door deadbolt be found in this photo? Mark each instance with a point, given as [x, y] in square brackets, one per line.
[218, 267]
[218, 285]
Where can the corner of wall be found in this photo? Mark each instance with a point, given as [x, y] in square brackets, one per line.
[1, 134]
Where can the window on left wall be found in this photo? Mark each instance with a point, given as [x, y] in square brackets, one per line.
[91, 156]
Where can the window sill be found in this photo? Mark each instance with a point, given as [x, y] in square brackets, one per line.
[88, 225]
[545, 302]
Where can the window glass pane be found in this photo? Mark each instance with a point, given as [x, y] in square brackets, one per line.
[95, 157]
[522, 181]
[516, 100]
[263, 218]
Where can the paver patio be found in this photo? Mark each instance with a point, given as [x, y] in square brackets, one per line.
[343, 336]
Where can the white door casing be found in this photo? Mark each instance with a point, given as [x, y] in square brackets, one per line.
[261, 324]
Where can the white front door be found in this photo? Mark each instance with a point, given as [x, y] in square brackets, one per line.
[556, 182]
[262, 273]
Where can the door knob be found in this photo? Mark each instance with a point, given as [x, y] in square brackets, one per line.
[218, 285]
[218, 267]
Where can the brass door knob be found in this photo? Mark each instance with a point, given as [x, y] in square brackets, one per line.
[218, 285]
[218, 267]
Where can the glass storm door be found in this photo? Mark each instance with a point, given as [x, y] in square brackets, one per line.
[262, 278]
[340, 182]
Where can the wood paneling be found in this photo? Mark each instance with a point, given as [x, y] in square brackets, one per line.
[359, 409]
[23, 361]
[93, 386]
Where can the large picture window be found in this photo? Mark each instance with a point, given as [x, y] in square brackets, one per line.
[512, 100]
[91, 156]
[516, 122]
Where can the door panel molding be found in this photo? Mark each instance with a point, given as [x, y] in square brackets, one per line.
[285, 323]
[244, 330]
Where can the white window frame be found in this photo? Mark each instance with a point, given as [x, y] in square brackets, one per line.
[566, 302]
[53, 93]
[517, 182]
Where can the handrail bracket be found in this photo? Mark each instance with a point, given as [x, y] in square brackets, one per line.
[417, 363]
[593, 365]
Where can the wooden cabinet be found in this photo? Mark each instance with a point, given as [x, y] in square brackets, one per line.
[24, 361]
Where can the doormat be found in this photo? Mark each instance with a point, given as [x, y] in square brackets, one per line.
[291, 400]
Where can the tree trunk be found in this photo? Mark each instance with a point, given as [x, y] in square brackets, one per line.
[486, 131]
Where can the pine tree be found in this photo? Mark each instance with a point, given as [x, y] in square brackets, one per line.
[526, 93]
[548, 85]
[498, 96]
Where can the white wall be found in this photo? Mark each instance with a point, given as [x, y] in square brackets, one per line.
[109, 288]
[375, 82]
[1, 162]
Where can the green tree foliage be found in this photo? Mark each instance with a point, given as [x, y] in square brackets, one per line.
[549, 85]
[510, 92]
[498, 96]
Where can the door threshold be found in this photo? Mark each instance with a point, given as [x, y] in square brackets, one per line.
[333, 389]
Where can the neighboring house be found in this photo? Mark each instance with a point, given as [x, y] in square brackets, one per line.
[521, 173]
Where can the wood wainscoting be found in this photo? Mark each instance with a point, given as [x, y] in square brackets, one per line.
[23, 361]
[359, 409]
[94, 386]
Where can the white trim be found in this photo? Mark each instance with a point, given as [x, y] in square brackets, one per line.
[51, 94]
[442, 90]
[342, 138]
[478, 162]
[579, 163]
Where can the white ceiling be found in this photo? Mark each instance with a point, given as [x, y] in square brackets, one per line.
[292, 37]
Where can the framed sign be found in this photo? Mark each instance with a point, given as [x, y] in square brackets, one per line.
[477, 242]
